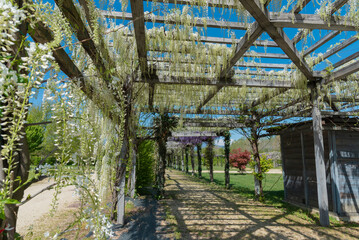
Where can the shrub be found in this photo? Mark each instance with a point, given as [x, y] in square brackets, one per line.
[266, 164]
[239, 159]
[145, 165]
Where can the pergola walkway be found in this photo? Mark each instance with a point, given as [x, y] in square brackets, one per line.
[205, 211]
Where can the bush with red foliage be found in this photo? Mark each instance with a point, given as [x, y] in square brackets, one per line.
[239, 159]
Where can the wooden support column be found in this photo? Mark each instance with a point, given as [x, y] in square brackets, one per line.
[133, 169]
[192, 159]
[210, 156]
[305, 180]
[199, 159]
[186, 160]
[227, 143]
[258, 188]
[319, 159]
[182, 161]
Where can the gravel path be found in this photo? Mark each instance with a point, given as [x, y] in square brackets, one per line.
[36, 208]
[207, 211]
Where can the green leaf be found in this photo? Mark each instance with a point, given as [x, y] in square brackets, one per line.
[9, 201]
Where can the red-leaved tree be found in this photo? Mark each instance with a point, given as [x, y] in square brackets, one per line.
[239, 159]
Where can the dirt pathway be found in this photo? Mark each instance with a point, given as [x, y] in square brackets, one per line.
[37, 209]
[206, 211]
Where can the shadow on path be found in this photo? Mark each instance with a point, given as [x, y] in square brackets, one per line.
[206, 211]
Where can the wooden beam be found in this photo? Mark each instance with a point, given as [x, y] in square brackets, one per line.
[342, 73]
[187, 50]
[42, 34]
[299, 6]
[345, 60]
[210, 3]
[255, 9]
[242, 47]
[336, 49]
[319, 160]
[301, 34]
[140, 34]
[211, 23]
[234, 82]
[241, 64]
[310, 21]
[221, 40]
[321, 42]
[69, 10]
[213, 124]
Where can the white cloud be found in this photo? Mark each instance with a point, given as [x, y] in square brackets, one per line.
[220, 142]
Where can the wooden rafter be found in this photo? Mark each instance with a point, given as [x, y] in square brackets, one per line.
[345, 60]
[140, 36]
[42, 34]
[310, 21]
[301, 34]
[255, 9]
[160, 19]
[262, 83]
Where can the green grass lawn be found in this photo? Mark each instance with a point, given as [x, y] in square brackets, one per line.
[244, 184]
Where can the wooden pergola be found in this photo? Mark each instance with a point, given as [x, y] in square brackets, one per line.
[190, 87]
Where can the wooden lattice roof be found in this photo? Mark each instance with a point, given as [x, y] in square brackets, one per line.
[188, 62]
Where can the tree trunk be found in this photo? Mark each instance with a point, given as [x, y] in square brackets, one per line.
[186, 160]
[258, 189]
[199, 160]
[21, 171]
[227, 142]
[192, 159]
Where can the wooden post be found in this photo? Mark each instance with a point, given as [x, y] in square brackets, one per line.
[199, 158]
[319, 159]
[192, 159]
[305, 180]
[258, 188]
[227, 142]
[211, 157]
[186, 160]
[133, 170]
[121, 195]
[182, 160]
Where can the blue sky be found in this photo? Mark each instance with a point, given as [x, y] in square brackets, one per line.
[227, 16]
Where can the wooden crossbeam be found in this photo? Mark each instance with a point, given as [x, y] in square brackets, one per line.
[241, 73]
[160, 19]
[140, 34]
[213, 124]
[301, 34]
[345, 60]
[336, 49]
[241, 64]
[342, 73]
[221, 40]
[164, 79]
[289, 20]
[69, 10]
[255, 9]
[299, 6]
[321, 42]
[310, 21]
[42, 34]
[209, 3]
[186, 50]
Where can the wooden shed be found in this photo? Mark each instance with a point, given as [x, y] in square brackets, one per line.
[341, 157]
